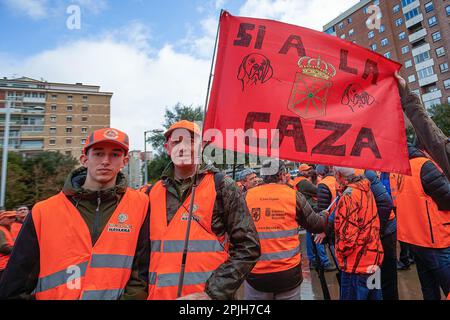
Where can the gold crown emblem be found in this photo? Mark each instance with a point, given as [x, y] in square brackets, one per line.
[316, 68]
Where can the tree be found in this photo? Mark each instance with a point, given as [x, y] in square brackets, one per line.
[441, 116]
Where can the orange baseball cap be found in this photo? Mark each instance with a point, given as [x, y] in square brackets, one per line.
[184, 124]
[304, 167]
[107, 135]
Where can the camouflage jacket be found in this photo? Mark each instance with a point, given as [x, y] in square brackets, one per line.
[231, 217]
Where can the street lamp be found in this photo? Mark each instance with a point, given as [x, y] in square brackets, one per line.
[154, 131]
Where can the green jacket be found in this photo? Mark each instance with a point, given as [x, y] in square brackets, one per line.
[230, 217]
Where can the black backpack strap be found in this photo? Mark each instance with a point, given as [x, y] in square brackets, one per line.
[149, 188]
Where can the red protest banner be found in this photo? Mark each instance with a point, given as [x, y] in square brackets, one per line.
[332, 101]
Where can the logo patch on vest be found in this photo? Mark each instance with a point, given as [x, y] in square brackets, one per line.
[256, 214]
[185, 215]
[120, 226]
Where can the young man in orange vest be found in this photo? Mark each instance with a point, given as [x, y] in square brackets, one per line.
[88, 242]
[359, 251]
[223, 242]
[423, 223]
[278, 211]
[7, 218]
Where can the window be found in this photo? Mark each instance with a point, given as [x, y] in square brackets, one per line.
[405, 49]
[436, 36]
[52, 142]
[351, 32]
[440, 51]
[69, 98]
[52, 130]
[376, 2]
[83, 130]
[54, 96]
[429, 7]
[69, 130]
[69, 119]
[432, 21]
[53, 108]
[422, 57]
[371, 34]
[69, 108]
[34, 95]
[387, 55]
[447, 84]
[52, 118]
[408, 64]
[349, 20]
[426, 72]
[85, 98]
[84, 118]
[382, 28]
[69, 141]
[341, 25]
[396, 8]
[448, 100]
[443, 67]
[411, 78]
[384, 42]
[84, 108]
[447, 9]
[402, 35]
[83, 141]
[431, 103]
[343, 36]
[406, 2]
[398, 22]
[366, 10]
[27, 94]
[373, 47]
[411, 14]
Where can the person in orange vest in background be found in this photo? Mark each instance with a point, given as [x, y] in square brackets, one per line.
[88, 242]
[223, 242]
[22, 213]
[423, 222]
[278, 211]
[359, 251]
[7, 218]
[248, 179]
[304, 171]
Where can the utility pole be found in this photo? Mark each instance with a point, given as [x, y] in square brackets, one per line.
[145, 158]
[8, 110]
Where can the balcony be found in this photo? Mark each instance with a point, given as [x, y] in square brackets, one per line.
[432, 96]
[33, 100]
[428, 80]
[411, 6]
[421, 49]
[418, 35]
[413, 21]
[424, 64]
[30, 129]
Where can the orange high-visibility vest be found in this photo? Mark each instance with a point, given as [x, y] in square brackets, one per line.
[272, 207]
[419, 220]
[70, 267]
[4, 258]
[330, 182]
[206, 251]
[297, 180]
[15, 229]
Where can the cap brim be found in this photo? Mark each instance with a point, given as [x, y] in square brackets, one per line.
[118, 143]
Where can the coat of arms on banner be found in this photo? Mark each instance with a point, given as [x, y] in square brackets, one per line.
[310, 91]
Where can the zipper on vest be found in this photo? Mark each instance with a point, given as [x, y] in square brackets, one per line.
[429, 222]
[96, 219]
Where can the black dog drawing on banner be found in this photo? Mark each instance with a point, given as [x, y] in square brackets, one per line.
[254, 68]
[355, 96]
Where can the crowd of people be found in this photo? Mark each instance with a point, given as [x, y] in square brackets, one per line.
[197, 234]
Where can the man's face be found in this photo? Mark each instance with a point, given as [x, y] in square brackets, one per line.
[250, 181]
[341, 182]
[104, 161]
[22, 213]
[183, 147]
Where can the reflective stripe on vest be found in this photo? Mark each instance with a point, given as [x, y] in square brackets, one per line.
[206, 251]
[67, 253]
[419, 221]
[273, 208]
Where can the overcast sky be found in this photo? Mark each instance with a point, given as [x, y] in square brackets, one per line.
[150, 53]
